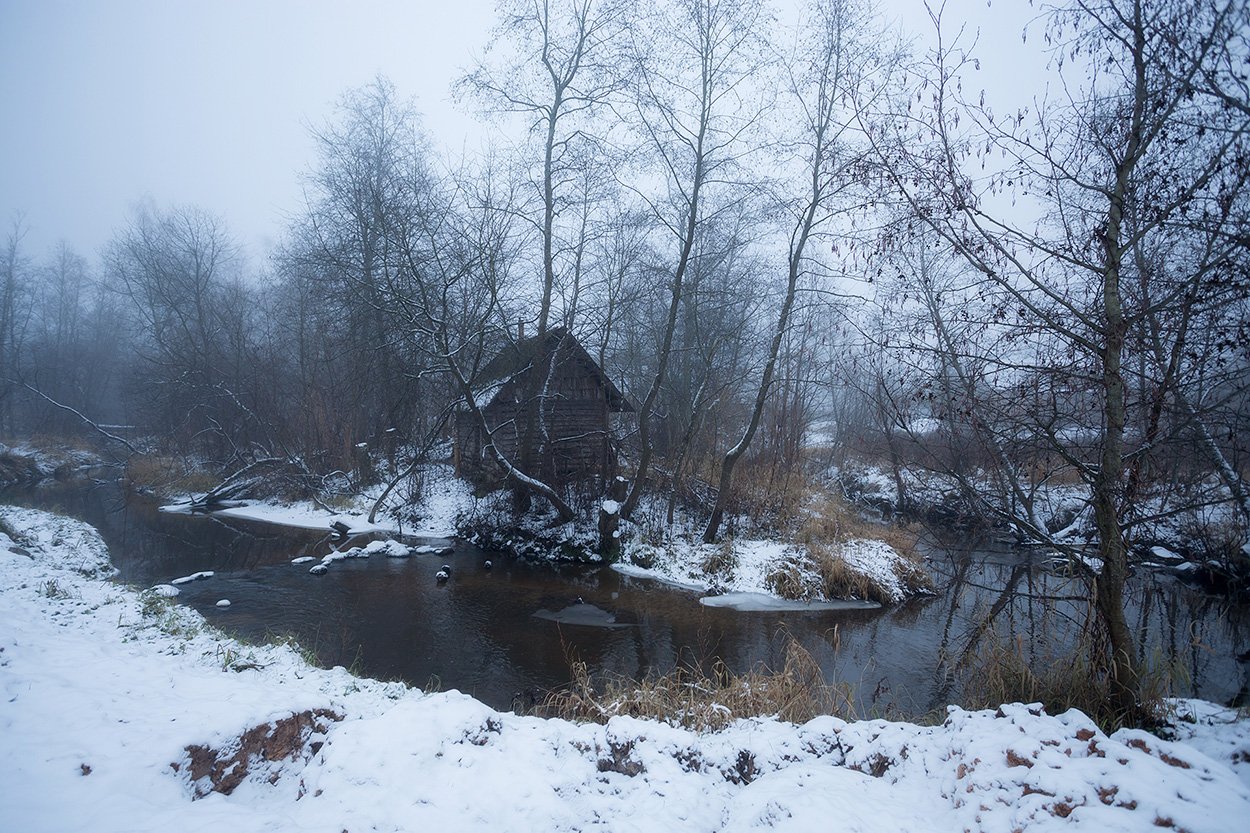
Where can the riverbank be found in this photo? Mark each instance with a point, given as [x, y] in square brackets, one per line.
[1192, 529]
[819, 570]
[120, 708]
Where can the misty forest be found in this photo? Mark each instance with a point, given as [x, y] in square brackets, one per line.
[779, 309]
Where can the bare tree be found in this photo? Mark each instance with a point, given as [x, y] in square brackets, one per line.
[177, 268]
[360, 378]
[696, 109]
[1061, 288]
[836, 58]
[14, 313]
[556, 66]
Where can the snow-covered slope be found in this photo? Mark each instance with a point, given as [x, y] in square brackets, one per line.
[115, 704]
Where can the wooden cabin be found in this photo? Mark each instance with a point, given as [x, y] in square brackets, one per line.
[552, 384]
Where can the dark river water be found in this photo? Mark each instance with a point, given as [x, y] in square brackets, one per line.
[489, 632]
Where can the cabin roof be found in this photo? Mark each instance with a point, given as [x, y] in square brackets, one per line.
[516, 359]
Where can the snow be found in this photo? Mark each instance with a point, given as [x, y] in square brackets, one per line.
[766, 601]
[203, 574]
[877, 560]
[102, 691]
[1164, 554]
[303, 516]
[744, 584]
[1173, 517]
[444, 500]
[165, 591]
[223, 603]
[611, 507]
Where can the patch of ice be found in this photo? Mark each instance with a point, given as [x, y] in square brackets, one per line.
[634, 571]
[581, 614]
[223, 603]
[765, 602]
[303, 516]
[203, 574]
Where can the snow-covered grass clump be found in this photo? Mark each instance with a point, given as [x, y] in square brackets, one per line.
[122, 711]
[28, 463]
[832, 555]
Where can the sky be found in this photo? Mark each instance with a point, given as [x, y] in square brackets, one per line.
[107, 102]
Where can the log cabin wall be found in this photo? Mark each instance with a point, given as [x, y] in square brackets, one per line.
[573, 443]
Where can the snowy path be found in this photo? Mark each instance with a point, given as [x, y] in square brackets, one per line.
[102, 690]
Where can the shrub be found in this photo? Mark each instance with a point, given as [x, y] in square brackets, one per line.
[167, 475]
[1009, 671]
[690, 697]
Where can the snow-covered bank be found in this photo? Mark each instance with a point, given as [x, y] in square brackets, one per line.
[444, 499]
[750, 571]
[26, 463]
[745, 573]
[1195, 523]
[114, 700]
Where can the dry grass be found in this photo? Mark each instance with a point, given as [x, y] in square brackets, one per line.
[17, 468]
[831, 523]
[838, 580]
[693, 699]
[831, 520]
[790, 580]
[720, 559]
[167, 475]
[1002, 671]
[758, 492]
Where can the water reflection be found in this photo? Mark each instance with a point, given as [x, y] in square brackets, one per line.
[478, 631]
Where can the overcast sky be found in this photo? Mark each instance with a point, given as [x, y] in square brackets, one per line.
[104, 102]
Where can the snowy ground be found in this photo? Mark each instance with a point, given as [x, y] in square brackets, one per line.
[443, 500]
[739, 572]
[112, 701]
[46, 461]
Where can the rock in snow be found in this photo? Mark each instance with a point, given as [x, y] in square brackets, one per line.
[223, 603]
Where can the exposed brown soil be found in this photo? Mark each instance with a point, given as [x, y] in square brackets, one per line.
[288, 739]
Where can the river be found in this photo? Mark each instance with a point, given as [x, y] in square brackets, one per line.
[495, 633]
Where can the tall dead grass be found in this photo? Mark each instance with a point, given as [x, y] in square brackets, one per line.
[168, 475]
[690, 697]
[1007, 671]
[831, 523]
[831, 519]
